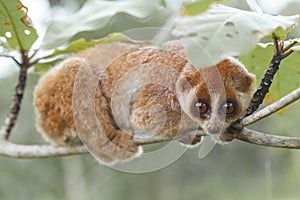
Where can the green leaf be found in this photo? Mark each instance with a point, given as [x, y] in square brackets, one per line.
[197, 7]
[14, 25]
[81, 44]
[287, 78]
[43, 67]
[224, 31]
[97, 18]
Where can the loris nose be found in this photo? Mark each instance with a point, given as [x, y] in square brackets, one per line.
[214, 130]
[215, 127]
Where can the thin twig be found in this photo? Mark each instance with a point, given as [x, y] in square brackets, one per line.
[276, 45]
[35, 51]
[43, 58]
[12, 57]
[258, 138]
[276, 106]
[287, 53]
[289, 46]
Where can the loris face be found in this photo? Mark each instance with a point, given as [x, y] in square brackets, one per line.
[215, 96]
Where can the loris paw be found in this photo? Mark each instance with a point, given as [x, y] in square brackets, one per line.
[190, 140]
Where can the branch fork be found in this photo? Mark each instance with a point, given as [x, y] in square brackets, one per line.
[237, 130]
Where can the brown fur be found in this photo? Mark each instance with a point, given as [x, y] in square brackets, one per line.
[154, 107]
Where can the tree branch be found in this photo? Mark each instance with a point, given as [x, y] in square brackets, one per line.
[258, 138]
[10, 120]
[43, 151]
[37, 151]
[151, 140]
[276, 106]
[10, 149]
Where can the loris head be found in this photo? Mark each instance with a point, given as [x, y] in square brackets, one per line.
[215, 96]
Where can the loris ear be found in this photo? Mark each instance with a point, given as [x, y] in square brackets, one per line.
[244, 82]
[189, 78]
[237, 74]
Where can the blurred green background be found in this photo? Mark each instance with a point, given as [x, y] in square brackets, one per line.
[234, 171]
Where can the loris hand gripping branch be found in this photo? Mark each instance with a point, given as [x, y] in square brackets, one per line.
[188, 100]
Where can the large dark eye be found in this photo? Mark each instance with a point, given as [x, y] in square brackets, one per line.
[229, 108]
[201, 108]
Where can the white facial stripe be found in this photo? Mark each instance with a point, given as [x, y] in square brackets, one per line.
[187, 100]
[216, 100]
